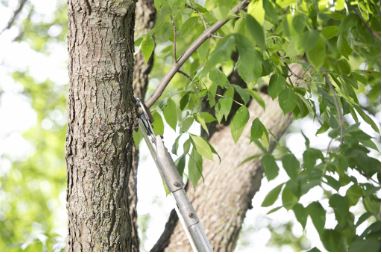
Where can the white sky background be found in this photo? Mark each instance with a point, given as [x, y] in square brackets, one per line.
[16, 116]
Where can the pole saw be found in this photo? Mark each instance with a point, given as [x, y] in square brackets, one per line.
[169, 173]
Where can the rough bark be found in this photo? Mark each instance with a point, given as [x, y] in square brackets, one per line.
[144, 20]
[101, 115]
[225, 195]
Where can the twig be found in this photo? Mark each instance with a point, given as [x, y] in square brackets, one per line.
[185, 74]
[174, 39]
[238, 103]
[14, 16]
[189, 51]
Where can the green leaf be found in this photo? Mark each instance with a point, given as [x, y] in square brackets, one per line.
[255, 95]
[340, 5]
[301, 214]
[372, 205]
[317, 54]
[258, 129]
[255, 8]
[341, 208]
[276, 85]
[218, 77]
[170, 113]
[343, 46]
[158, 125]
[223, 107]
[367, 119]
[274, 209]
[271, 170]
[309, 40]
[186, 146]
[202, 147]
[147, 47]
[291, 165]
[249, 64]
[333, 240]
[353, 194]
[184, 101]
[311, 156]
[318, 215]
[221, 54]
[288, 197]
[175, 146]
[287, 100]
[204, 118]
[137, 137]
[255, 30]
[330, 32]
[238, 122]
[243, 92]
[180, 164]
[186, 124]
[195, 167]
[249, 158]
[365, 245]
[272, 196]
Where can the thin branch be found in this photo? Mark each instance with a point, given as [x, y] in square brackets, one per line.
[185, 74]
[238, 103]
[164, 238]
[174, 39]
[187, 54]
[14, 16]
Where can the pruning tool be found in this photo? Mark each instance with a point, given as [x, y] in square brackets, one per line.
[169, 173]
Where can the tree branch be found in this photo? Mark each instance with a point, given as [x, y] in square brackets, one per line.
[14, 16]
[189, 51]
[164, 238]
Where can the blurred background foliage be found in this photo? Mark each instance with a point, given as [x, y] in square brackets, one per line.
[32, 187]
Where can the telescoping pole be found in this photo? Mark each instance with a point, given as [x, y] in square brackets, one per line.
[169, 173]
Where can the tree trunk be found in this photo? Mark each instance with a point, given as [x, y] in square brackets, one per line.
[101, 116]
[223, 198]
[144, 21]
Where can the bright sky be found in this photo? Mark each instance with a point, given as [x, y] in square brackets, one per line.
[16, 115]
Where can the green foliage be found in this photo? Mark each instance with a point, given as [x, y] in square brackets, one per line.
[337, 44]
[32, 186]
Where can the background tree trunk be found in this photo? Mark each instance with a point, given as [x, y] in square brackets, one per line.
[101, 115]
[223, 198]
[144, 21]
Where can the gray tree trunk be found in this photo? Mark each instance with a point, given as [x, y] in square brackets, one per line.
[101, 115]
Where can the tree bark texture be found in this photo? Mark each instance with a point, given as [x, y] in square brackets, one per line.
[223, 198]
[101, 117]
[144, 21]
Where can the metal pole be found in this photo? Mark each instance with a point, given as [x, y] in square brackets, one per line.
[169, 173]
